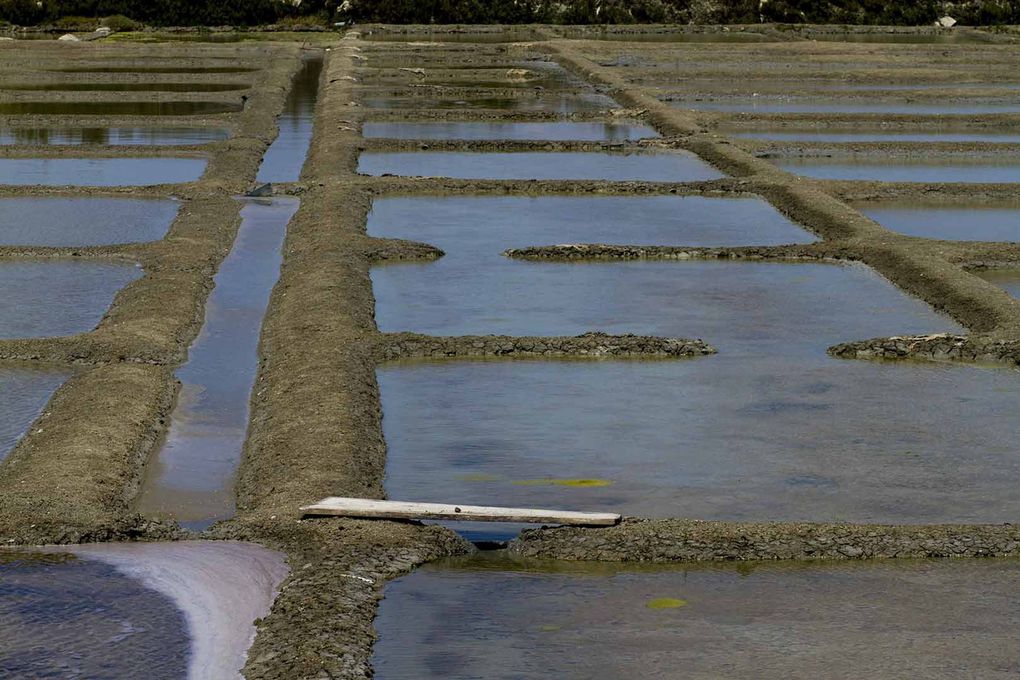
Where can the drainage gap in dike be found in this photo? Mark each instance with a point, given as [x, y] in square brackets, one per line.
[192, 478]
[286, 156]
[944, 619]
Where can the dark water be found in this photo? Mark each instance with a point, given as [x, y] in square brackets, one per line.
[953, 224]
[286, 156]
[58, 297]
[491, 618]
[100, 172]
[125, 87]
[672, 166]
[928, 170]
[130, 136]
[878, 136]
[594, 132]
[24, 392]
[192, 477]
[64, 617]
[83, 221]
[804, 105]
[117, 108]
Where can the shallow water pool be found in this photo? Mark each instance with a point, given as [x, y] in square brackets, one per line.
[671, 166]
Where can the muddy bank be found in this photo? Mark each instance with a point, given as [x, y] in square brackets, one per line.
[590, 345]
[609, 252]
[338, 570]
[971, 349]
[678, 540]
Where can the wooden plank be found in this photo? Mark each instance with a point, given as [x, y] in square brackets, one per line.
[365, 507]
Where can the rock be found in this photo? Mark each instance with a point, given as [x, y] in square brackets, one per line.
[946, 22]
[67, 37]
[261, 191]
[103, 31]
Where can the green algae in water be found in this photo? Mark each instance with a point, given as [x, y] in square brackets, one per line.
[666, 603]
[575, 483]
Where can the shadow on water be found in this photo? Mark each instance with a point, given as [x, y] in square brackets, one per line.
[114, 136]
[286, 156]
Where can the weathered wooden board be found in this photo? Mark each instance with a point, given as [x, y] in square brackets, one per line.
[369, 508]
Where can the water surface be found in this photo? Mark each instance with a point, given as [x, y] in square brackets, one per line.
[58, 297]
[286, 156]
[24, 392]
[474, 283]
[99, 68]
[805, 105]
[182, 610]
[551, 102]
[879, 136]
[192, 477]
[64, 617]
[952, 224]
[770, 428]
[1008, 279]
[84, 221]
[117, 108]
[927, 170]
[936, 619]
[100, 172]
[124, 136]
[671, 166]
[561, 131]
[87, 86]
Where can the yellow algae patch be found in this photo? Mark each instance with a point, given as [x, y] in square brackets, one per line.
[577, 483]
[666, 603]
[549, 628]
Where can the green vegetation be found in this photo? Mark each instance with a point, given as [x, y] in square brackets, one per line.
[262, 12]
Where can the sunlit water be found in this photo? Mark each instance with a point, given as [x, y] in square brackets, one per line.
[33, 221]
[58, 297]
[671, 166]
[770, 428]
[492, 618]
[191, 479]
